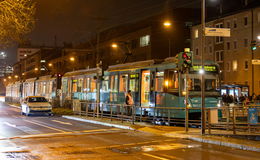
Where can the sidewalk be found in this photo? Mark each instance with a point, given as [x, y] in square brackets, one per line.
[175, 132]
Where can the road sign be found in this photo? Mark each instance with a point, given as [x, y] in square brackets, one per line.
[218, 32]
[256, 61]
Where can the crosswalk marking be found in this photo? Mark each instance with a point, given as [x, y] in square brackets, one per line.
[59, 130]
[67, 123]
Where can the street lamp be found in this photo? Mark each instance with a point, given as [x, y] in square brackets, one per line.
[36, 69]
[72, 59]
[9, 77]
[50, 64]
[114, 45]
[16, 76]
[167, 24]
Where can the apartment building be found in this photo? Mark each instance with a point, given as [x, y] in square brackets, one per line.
[233, 54]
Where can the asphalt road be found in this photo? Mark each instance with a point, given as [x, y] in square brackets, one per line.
[56, 138]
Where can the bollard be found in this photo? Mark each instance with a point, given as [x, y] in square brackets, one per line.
[169, 117]
[122, 111]
[141, 113]
[133, 114]
[186, 119]
[209, 122]
[102, 110]
[87, 109]
[111, 112]
[154, 115]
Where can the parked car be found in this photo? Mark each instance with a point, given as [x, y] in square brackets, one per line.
[35, 104]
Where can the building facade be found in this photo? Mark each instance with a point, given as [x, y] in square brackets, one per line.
[234, 53]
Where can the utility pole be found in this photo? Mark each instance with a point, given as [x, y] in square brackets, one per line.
[252, 50]
[203, 123]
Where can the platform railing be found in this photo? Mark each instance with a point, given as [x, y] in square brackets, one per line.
[226, 119]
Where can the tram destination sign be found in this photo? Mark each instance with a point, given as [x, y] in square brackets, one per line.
[207, 68]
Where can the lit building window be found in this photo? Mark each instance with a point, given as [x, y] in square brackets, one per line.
[145, 41]
[234, 65]
[196, 33]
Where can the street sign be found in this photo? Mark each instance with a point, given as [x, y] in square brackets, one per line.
[218, 32]
[256, 61]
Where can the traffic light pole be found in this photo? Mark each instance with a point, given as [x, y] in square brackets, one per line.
[203, 119]
[186, 101]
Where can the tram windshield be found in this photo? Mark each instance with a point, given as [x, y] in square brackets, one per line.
[194, 82]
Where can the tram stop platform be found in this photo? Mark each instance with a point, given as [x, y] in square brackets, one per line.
[221, 137]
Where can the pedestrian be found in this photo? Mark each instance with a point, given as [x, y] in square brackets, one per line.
[129, 102]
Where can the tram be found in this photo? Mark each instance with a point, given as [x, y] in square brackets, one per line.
[152, 83]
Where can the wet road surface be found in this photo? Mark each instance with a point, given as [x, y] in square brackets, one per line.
[56, 138]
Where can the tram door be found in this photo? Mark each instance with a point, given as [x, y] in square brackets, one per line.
[145, 87]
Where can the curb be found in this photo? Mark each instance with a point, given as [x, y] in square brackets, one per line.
[226, 144]
[100, 123]
[193, 138]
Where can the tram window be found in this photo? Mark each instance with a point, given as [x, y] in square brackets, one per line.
[123, 83]
[133, 82]
[105, 83]
[171, 81]
[159, 82]
[87, 89]
[85, 85]
[93, 85]
[80, 85]
[145, 87]
[114, 83]
[210, 85]
[74, 85]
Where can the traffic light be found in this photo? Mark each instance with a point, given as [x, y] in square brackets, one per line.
[187, 59]
[253, 45]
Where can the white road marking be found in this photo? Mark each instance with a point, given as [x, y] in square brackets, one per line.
[10, 125]
[45, 126]
[156, 157]
[23, 128]
[61, 122]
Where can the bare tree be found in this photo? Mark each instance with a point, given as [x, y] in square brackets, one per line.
[16, 20]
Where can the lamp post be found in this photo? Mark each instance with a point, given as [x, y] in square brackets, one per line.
[203, 120]
[167, 24]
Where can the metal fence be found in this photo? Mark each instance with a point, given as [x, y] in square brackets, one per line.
[226, 119]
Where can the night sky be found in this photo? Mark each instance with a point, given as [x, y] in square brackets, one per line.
[76, 20]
